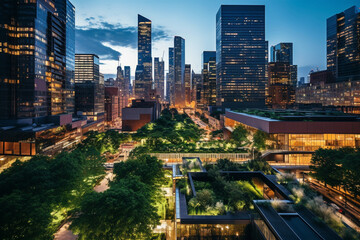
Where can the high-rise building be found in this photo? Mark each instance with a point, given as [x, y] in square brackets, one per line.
[283, 53]
[159, 72]
[127, 72]
[281, 92]
[122, 84]
[241, 56]
[89, 86]
[36, 55]
[179, 71]
[343, 44]
[188, 85]
[197, 89]
[209, 78]
[143, 80]
[170, 80]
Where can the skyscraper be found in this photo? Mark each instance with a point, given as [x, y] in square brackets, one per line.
[209, 78]
[123, 87]
[144, 81]
[241, 56]
[36, 55]
[127, 76]
[170, 80]
[159, 73]
[188, 85]
[283, 53]
[89, 86]
[179, 71]
[343, 48]
[197, 89]
[281, 92]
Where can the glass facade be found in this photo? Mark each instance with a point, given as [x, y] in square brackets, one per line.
[35, 49]
[170, 85]
[159, 76]
[343, 44]
[281, 91]
[89, 86]
[144, 77]
[209, 78]
[241, 56]
[212, 231]
[282, 52]
[188, 83]
[179, 71]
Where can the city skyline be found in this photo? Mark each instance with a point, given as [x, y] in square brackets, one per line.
[113, 33]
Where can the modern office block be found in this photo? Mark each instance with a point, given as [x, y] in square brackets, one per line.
[241, 56]
[127, 76]
[170, 80]
[281, 92]
[143, 79]
[159, 77]
[179, 71]
[89, 87]
[188, 85]
[343, 50]
[209, 78]
[37, 58]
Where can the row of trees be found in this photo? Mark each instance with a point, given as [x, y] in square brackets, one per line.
[171, 128]
[338, 168]
[36, 196]
[128, 209]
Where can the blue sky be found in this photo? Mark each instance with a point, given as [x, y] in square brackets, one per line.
[108, 28]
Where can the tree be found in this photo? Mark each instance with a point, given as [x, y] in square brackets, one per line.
[324, 163]
[146, 168]
[239, 135]
[351, 173]
[259, 139]
[125, 211]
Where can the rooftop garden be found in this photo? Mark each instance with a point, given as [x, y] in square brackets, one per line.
[219, 194]
[291, 114]
[175, 133]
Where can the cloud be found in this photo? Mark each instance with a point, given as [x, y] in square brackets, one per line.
[98, 36]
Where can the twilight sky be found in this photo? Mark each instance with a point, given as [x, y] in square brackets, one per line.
[109, 28]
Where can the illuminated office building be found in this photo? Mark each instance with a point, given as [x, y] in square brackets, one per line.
[198, 88]
[89, 86]
[179, 72]
[37, 55]
[159, 75]
[283, 53]
[209, 78]
[123, 87]
[170, 85]
[281, 91]
[343, 45]
[188, 83]
[143, 80]
[241, 56]
[127, 76]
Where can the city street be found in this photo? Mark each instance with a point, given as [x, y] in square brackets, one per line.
[350, 211]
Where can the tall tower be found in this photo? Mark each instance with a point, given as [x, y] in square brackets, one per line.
[343, 44]
[241, 56]
[188, 83]
[35, 75]
[144, 69]
[170, 80]
[209, 78]
[179, 71]
[159, 76]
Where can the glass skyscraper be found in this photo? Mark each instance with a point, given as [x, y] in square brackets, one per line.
[144, 77]
[170, 94]
[343, 44]
[159, 75]
[209, 78]
[179, 71]
[188, 85]
[37, 56]
[89, 86]
[241, 56]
